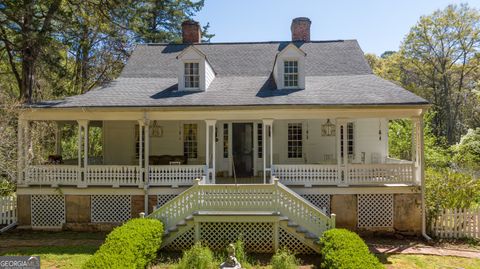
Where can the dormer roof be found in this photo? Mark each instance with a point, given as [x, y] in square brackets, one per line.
[191, 48]
[292, 46]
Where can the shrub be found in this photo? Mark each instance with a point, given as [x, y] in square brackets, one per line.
[132, 245]
[341, 248]
[240, 253]
[198, 257]
[284, 259]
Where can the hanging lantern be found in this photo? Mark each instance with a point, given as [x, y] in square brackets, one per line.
[328, 129]
[156, 130]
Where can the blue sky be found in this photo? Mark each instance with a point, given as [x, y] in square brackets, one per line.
[377, 25]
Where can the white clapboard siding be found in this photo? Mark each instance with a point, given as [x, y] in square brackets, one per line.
[8, 210]
[457, 223]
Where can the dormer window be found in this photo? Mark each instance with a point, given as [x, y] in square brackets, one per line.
[289, 68]
[194, 70]
[192, 75]
[290, 74]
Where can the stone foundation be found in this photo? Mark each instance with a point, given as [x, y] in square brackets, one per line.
[344, 206]
[407, 215]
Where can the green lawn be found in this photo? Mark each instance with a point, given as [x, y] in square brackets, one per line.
[57, 256]
[398, 261]
[74, 256]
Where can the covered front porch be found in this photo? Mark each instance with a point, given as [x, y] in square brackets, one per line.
[321, 150]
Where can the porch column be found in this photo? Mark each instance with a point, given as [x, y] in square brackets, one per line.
[28, 147]
[146, 124]
[418, 147]
[58, 138]
[267, 124]
[83, 125]
[210, 161]
[20, 150]
[342, 162]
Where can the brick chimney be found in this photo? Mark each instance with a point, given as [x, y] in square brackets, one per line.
[301, 29]
[191, 32]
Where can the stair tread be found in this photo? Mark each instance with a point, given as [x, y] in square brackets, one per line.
[182, 223]
[301, 229]
[292, 224]
[236, 213]
[311, 235]
[172, 229]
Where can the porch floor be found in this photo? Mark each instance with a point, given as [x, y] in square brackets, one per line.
[242, 180]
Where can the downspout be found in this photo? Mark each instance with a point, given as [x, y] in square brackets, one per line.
[422, 177]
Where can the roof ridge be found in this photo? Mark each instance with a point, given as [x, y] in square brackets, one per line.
[244, 42]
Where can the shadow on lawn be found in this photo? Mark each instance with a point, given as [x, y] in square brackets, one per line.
[256, 259]
[51, 250]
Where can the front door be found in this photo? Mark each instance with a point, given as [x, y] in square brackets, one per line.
[242, 149]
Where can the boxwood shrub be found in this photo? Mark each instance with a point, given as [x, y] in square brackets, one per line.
[343, 249]
[132, 245]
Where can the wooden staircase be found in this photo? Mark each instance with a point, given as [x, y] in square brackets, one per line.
[287, 214]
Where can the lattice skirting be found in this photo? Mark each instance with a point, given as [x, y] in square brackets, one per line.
[375, 210]
[164, 198]
[182, 242]
[322, 201]
[257, 237]
[47, 210]
[286, 240]
[110, 208]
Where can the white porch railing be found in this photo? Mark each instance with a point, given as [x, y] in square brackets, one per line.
[359, 174]
[306, 174]
[115, 175]
[52, 174]
[174, 175]
[252, 198]
[8, 209]
[353, 174]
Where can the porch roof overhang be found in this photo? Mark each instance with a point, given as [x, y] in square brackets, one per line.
[226, 112]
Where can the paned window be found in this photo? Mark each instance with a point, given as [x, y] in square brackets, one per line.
[190, 144]
[225, 140]
[350, 141]
[192, 76]
[260, 140]
[295, 140]
[290, 73]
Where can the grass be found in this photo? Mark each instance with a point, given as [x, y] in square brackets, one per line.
[397, 261]
[57, 256]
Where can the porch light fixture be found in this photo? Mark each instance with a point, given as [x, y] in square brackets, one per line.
[328, 129]
[156, 130]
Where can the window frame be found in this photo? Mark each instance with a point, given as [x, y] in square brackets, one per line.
[350, 141]
[295, 142]
[190, 142]
[185, 75]
[260, 140]
[295, 74]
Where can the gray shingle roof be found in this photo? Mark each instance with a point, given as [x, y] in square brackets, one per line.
[336, 74]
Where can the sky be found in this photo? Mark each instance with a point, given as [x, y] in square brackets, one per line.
[378, 25]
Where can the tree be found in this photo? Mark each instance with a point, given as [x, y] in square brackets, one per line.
[26, 27]
[157, 21]
[442, 52]
[467, 152]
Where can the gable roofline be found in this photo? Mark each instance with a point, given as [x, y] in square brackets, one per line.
[290, 45]
[184, 51]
